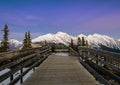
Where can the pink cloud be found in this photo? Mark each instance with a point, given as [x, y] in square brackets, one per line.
[21, 19]
[31, 17]
[111, 21]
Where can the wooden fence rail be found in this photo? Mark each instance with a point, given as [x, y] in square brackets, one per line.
[102, 56]
[106, 63]
[17, 60]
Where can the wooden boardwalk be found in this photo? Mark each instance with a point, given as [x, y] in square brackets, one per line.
[61, 70]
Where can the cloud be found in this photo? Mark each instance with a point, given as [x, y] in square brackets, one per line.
[20, 19]
[108, 22]
[31, 17]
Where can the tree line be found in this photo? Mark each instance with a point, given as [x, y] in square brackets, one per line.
[4, 47]
[80, 42]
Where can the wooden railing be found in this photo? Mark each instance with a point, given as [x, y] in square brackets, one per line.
[105, 63]
[17, 60]
[72, 52]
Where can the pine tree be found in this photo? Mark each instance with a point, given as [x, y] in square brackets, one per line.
[29, 40]
[45, 43]
[86, 43]
[71, 44]
[79, 41]
[25, 42]
[5, 44]
[83, 41]
[53, 47]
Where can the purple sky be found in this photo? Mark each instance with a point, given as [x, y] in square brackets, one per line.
[50, 16]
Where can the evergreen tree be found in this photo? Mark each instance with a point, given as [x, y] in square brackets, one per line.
[25, 45]
[46, 42]
[86, 43]
[83, 41]
[29, 40]
[5, 44]
[71, 44]
[79, 41]
[53, 47]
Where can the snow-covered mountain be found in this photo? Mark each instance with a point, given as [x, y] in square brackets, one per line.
[14, 44]
[59, 37]
[94, 40]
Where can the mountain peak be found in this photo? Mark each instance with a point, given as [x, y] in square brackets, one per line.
[14, 40]
[94, 40]
[96, 34]
[82, 35]
[61, 33]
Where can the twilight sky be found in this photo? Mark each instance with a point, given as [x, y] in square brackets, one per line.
[50, 16]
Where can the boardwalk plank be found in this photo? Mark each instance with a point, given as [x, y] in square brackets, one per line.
[57, 70]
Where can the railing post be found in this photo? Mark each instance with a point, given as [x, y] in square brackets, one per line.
[21, 80]
[96, 58]
[11, 77]
[33, 68]
[69, 51]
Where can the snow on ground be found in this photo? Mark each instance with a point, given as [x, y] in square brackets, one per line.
[7, 81]
[61, 54]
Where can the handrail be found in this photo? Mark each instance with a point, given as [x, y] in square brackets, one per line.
[82, 60]
[11, 54]
[101, 52]
[72, 51]
[104, 61]
[18, 61]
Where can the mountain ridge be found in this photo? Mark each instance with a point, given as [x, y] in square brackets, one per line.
[94, 40]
